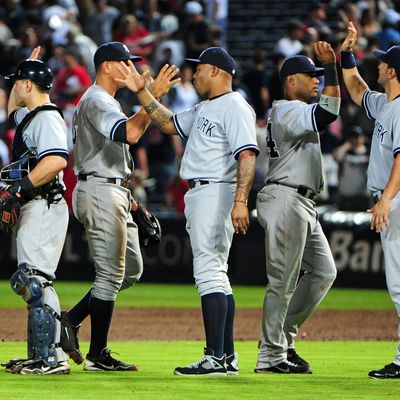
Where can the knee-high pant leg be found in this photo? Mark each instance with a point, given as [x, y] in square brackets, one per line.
[390, 239]
[293, 240]
[103, 209]
[40, 237]
[319, 275]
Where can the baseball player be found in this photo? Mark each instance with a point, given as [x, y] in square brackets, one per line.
[294, 240]
[39, 154]
[219, 163]
[102, 200]
[384, 165]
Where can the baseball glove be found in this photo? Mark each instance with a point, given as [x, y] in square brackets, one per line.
[148, 226]
[9, 207]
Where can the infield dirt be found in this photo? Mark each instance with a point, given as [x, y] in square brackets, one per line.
[186, 324]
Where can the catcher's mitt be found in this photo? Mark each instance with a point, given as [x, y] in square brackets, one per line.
[148, 226]
[9, 207]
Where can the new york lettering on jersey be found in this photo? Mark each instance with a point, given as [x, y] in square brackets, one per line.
[380, 131]
[205, 126]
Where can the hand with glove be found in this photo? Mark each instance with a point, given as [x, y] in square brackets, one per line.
[9, 207]
[148, 226]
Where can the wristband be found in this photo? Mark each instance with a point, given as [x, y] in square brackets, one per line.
[347, 60]
[330, 75]
[24, 185]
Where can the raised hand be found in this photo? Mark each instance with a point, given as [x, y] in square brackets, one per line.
[35, 53]
[131, 77]
[324, 52]
[164, 81]
[351, 38]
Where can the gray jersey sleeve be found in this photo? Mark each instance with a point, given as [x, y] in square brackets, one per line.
[184, 121]
[373, 102]
[241, 128]
[396, 134]
[297, 117]
[105, 116]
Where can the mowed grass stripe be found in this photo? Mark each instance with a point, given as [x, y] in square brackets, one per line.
[339, 372]
[185, 296]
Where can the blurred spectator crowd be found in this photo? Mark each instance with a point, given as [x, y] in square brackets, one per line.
[167, 31]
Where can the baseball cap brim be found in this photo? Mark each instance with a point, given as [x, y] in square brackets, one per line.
[192, 61]
[316, 71]
[133, 59]
[380, 55]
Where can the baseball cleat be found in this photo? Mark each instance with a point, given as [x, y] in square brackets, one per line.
[209, 365]
[295, 359]
[232, 364]
[41, 368]
[69, 339]
[285, 367]
[390, 371]
[104, 362]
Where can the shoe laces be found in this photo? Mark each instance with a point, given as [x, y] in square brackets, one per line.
[106, 353]
[196, 364]
[290, 364]
[392, 367]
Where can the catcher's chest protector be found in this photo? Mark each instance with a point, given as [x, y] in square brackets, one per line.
[19, 147]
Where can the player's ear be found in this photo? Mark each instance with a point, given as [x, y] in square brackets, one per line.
[28, 85]
[291, 80]
[391, 73]
[106, 66]
[214, 71]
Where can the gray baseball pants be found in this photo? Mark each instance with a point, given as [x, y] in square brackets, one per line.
[294, 241]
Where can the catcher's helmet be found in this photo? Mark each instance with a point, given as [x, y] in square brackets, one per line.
[34, 70]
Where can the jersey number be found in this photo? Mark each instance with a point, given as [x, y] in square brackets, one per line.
[74, 126]
[271, 144]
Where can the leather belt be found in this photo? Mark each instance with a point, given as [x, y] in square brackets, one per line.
[303, 190]
[307, 193]
[116, 181]
[193, 183]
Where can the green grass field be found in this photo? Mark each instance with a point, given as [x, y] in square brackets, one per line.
[340, 368]
[340, 372]
[185, 296]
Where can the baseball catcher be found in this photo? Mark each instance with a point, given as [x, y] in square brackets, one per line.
[32, 200]
[148, 225]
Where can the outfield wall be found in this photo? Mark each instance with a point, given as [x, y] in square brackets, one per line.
[356, 249]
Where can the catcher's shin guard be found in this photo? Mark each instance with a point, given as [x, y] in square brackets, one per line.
[41, 317]
[41, 334]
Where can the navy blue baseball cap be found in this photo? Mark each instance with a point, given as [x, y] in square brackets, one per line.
[299, 65]
[114, 51]
[216, 56]
[390, 57]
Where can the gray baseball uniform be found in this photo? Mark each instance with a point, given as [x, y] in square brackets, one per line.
[384, 148]
[100, 202]
[294, 239]
[217, 130]
[41, 229]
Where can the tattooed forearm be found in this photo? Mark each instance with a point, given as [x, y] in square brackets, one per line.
[160, 115]
[150, 108]
[245, 174]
